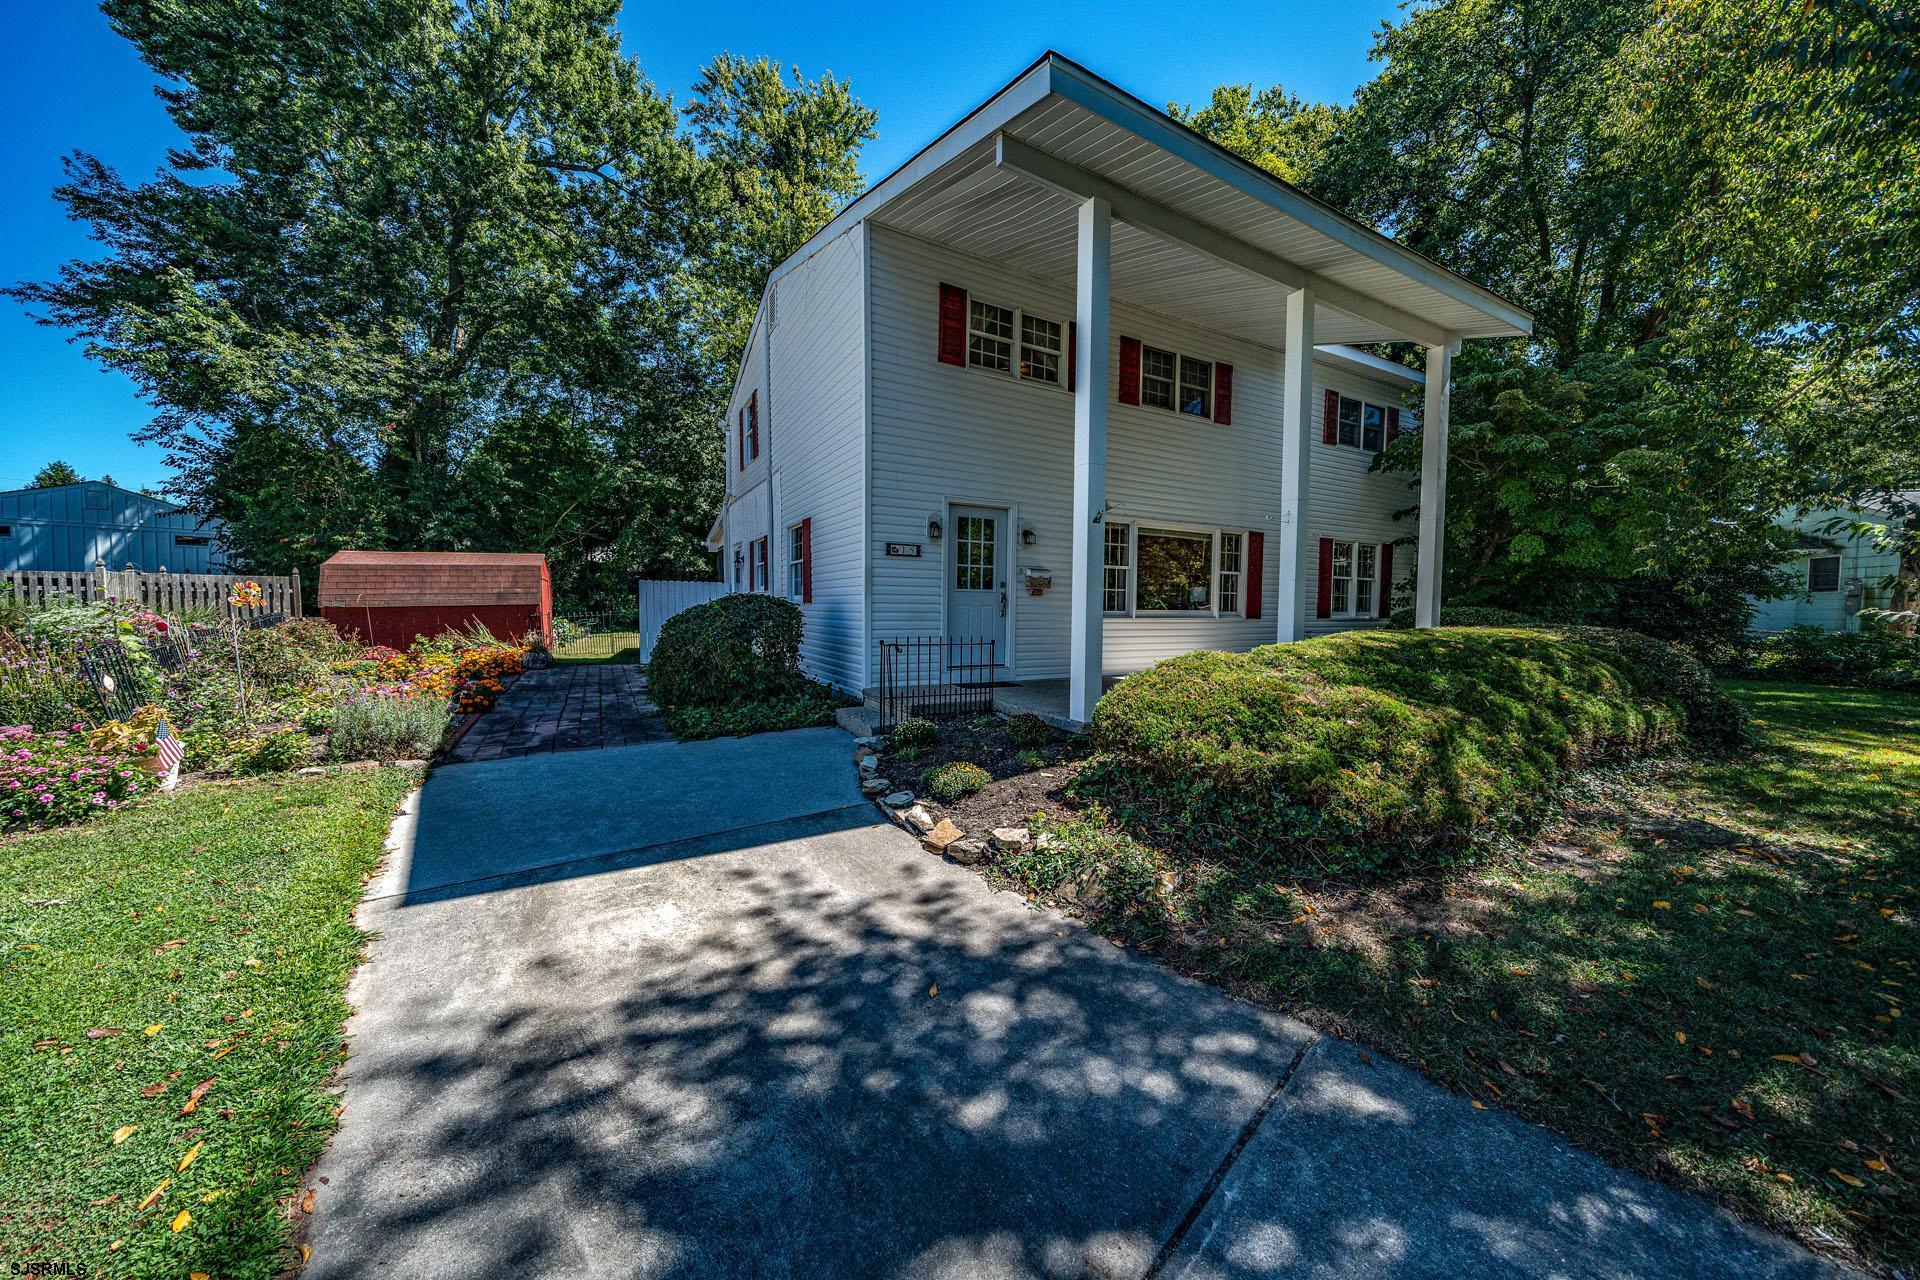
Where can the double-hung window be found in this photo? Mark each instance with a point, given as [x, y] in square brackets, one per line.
[1196, 387]
[989, 336]
[1823, 573]
[1362, 425]
[1157, 377]
[739, 565]
[1356, 579]
[1230, 570]
[796, 562]
[1040, 349]
[1119, 571]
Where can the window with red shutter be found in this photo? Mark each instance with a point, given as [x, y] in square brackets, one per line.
[953, 324]
[806, 561]
[1393, 423]
[1223, 394]
[753, 425]
[1386, 576]
[1256, 570]
[1330, 417]
[740, 420]
[1129, 370]
[1324, 606]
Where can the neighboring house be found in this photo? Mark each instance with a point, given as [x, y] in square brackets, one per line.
[1837, 571]
[71, 527]
[1072, 380]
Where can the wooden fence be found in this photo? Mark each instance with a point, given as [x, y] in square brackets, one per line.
[660, 600]
[162, 592]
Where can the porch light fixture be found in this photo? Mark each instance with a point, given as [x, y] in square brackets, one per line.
[933, 528]
[1027, 535]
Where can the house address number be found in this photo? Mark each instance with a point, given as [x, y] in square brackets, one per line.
[911, 550]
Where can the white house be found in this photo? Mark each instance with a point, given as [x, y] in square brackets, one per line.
[1077, 381]
[1837, 569]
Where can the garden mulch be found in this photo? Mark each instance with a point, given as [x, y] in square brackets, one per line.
[1019, 789]
[568, 708]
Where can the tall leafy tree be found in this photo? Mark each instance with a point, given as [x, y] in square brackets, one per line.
[55, 473]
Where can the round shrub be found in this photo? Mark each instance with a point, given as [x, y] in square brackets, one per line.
[1469, 615]
[914, 733]
[954, 781]
[1028, 730]
[739, 648]
[1664, 671]
[1349, 751]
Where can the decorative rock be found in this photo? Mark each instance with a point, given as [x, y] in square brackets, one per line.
[968, 850]
[866, 744]
[1010, 839]
[898, 800]
[919, 819]
[310, 770]
[869, 764]
[874, 786]
[944, 833]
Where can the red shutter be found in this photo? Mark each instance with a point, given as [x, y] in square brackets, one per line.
[953, 324]
[753, 425]
[806, 561]
[741, 418]
[1386, 568]
[1223, 394]
[1129, 371]
[1324, 609]
[1256, 570]
[1393, 423]
[1073, 354]
[1330, 425]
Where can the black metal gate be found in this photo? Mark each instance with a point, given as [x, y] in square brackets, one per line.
[935, 677]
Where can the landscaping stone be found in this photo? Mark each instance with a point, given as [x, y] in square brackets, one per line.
[968, 850]
[898, 800]
[1010, 839]
[943, 835]
[919, 819]
[874, 786]
[858, 721]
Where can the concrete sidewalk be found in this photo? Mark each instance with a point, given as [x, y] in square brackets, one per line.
[779, 1040]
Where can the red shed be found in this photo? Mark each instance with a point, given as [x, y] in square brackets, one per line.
[389, 597]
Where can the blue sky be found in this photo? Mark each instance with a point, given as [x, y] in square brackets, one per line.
[67, 82]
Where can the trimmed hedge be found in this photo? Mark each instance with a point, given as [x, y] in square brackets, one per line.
[1468, 615]
[1870, 659]
[739, 648]
[1354, 750]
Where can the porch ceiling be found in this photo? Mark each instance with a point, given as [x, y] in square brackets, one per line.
[955, 194]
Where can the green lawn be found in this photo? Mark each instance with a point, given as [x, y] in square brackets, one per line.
[202, 940]
[1701, 970]
[605, 646]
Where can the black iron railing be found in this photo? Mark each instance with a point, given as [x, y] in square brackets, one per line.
[935, 677]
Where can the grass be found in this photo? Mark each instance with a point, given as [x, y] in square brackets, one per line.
[602, 647]
[205, 938]
[1700, 970]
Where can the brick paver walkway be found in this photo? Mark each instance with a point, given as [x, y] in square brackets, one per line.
[565, 709]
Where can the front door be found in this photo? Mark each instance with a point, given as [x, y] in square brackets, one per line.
[977, 578]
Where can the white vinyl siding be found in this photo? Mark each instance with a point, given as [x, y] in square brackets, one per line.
[1810, 604]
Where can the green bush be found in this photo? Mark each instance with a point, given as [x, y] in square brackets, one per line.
[915, 733]
[740, 648]
[277, 752]
[1027, 730]
[1354, 750]
[1873, 658]
[374, 727]
[1664, 671]
[954, 781]
[803, 708]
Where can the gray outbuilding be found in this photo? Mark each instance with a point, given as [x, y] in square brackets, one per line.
[72, 527]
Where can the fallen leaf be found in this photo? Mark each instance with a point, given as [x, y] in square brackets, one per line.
[180, 1221]
[1705, 985]
[199, 1092]
[222, 1052]
[306, 1254]
[115, 1246]
[1744, 1107]
[1847, 1178]
[154, 1030]
[193, 1153]
[101, 1033]
[1878, 1166]
[153, 1090]
[103, 1201]
[153, 1196]
[1661, 904]
[198, 1275]
[933, 990]
[1479, 1105]
[124, 1132]
[306, 1201]
[1681, 1036]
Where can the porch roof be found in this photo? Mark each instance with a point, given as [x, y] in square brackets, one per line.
[1199, 234]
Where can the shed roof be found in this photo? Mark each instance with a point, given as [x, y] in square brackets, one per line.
[462, 558]
[412, 578]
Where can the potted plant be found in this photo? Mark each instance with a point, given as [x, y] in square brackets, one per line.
[539, 650]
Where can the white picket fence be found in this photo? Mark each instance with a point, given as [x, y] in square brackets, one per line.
[162, 592]
[661, 600]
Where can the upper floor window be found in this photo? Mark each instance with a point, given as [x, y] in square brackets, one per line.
[1362, 425]
[1196, 387]
[1156, 377]
[990, 336]
[1039, 349]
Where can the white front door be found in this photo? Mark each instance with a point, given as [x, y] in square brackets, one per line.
[977, 578]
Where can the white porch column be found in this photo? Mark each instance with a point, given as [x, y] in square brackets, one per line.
[1433, 486]
[1296, 470]
[1089, 459]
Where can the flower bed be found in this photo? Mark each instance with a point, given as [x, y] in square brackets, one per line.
[47, 779]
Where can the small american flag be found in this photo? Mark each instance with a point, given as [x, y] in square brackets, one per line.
[171, 752]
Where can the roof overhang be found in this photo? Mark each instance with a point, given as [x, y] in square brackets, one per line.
[1198, 233]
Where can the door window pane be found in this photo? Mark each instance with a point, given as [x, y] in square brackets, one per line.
[1175, 571]
[974, 547]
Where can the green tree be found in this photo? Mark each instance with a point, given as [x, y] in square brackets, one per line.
[55, 473]
[1277, 130]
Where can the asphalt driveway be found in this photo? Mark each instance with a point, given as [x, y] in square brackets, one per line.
[692, 1011]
